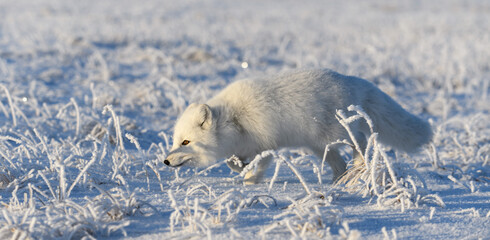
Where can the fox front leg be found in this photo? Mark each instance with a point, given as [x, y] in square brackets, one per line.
[253, 176]
[256, 175]
[236, 164]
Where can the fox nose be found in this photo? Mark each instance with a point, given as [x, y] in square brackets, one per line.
[167, 162]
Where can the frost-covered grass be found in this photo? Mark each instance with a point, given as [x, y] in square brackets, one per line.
[90, 90]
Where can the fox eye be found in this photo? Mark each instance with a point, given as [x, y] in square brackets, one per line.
[185, 142]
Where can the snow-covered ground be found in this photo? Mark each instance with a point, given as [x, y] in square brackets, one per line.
[90, 90]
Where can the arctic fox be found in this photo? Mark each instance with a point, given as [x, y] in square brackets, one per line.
[296, 109]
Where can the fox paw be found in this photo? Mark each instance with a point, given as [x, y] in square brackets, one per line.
[235, 164]
[251, 178]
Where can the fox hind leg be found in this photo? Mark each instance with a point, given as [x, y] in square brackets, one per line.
[334, 160]
[358, 156]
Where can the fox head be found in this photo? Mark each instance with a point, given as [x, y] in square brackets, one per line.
[195, 140]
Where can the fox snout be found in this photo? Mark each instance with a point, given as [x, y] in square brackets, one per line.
[177, 158]
[168, 163]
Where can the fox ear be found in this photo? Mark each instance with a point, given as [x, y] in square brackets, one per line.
[205, 116]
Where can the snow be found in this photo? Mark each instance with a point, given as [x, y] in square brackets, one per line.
[90, 90]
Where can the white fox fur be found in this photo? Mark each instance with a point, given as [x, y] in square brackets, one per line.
[296, 109]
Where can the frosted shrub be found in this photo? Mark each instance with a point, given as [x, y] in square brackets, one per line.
[19, 217]
[234, 200]
[101, 216]
[71, 220]
[119, 203]
[468, 140]
[43, 173]
[197, 216]
[307, 217]
[19, 226]
[193, 218]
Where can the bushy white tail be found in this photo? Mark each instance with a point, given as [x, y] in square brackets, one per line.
[396, 127]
